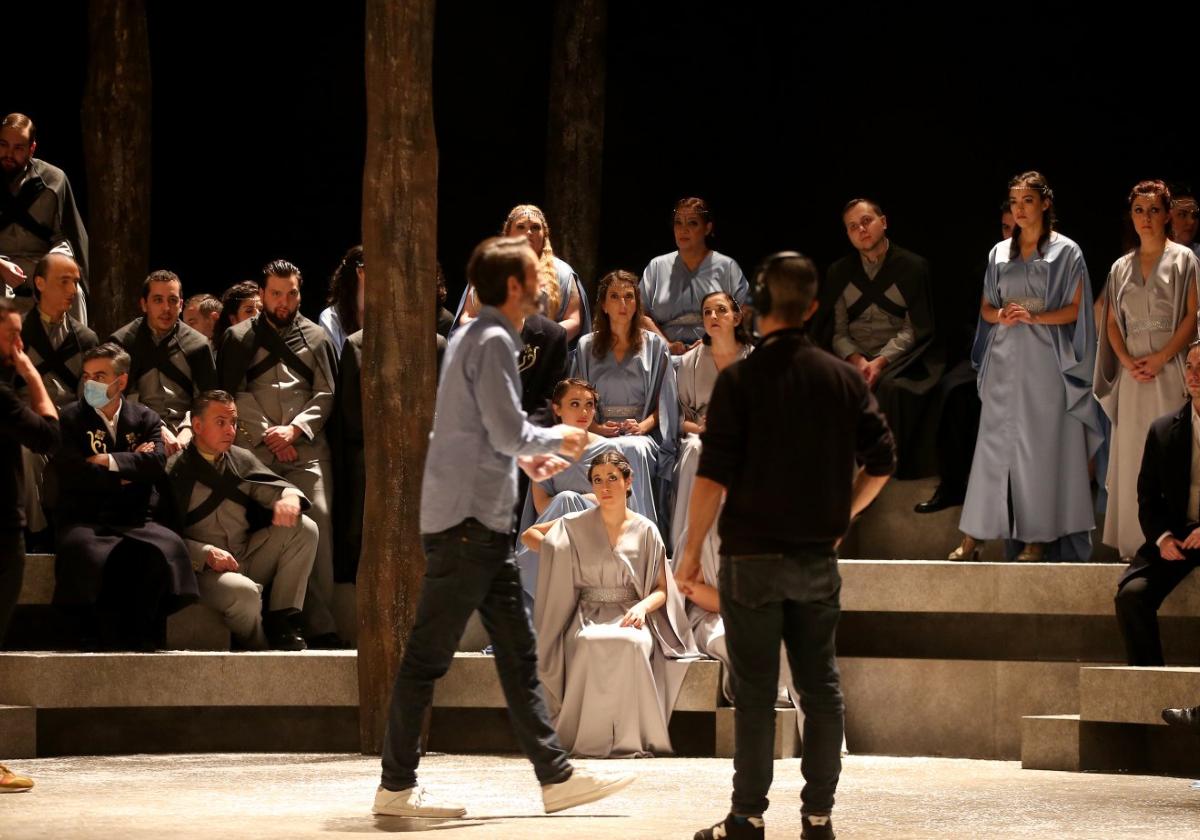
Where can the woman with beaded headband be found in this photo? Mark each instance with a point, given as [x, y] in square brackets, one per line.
[1034, 349]
[1148, 319]
[633, 375]
[562, 294]
[611, 625]
[674, 284]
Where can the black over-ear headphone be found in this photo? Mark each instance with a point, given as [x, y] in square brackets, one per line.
[762, 290]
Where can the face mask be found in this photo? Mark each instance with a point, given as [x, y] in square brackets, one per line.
[95, 393]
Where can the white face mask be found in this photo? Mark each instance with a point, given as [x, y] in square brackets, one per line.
[95, 393]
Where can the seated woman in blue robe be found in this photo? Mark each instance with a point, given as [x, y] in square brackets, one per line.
[674, 285]
[570, 491]
[562, 298]
[631, 370]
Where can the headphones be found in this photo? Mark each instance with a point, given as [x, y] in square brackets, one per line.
[762, 290]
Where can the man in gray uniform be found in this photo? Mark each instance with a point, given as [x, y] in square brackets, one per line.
[243, 527]
[55, 343]
[37, 211]
[171, 362]
[281, 368]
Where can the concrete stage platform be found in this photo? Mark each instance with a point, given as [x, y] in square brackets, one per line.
[189, 797]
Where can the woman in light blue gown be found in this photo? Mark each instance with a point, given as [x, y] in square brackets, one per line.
[633, 375]
[674, 285]
[1035, 351]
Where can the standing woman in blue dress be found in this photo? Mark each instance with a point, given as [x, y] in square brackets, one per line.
[1035, 351]
[562, 297]
[674, 285]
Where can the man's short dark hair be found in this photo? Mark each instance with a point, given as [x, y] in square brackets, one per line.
[20, 122]
[492, 262]
[42, 269]
[1195, 345]
[160, 276]
[870, 202]
[280, 268]
[206, 303]
[110, 350]
[791, 281]
[204, 399]
[8, 306]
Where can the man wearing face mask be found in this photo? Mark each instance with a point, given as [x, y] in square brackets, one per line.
[119, 570]
[281, 368]
[55, 342]
[170, 362]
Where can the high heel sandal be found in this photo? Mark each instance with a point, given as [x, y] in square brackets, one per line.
[968, 551]
[1032, 553]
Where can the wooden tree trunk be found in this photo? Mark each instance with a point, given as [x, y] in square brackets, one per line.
[399, 352]
[575, 138]
[116, 146]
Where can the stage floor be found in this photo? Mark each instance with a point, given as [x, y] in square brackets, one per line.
[185, 797]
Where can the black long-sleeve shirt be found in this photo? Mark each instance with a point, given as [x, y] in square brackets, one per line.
[19, 426]
[785, 431]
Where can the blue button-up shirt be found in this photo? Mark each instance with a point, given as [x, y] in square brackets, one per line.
[479, 429]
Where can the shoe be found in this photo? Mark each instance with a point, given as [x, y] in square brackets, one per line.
[734, 828]
[583, 787]
[817, 827]
[1032, 553]
[281, 633]
[1189, 717]
[414, 802]
[10, 782]
[968, 550]
[940, 500]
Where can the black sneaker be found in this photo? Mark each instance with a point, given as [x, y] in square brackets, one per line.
[735, 828]
[817, 827]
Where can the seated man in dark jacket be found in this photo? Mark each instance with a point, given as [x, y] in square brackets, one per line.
[123, 571]
[244, 528]
[1168, 502]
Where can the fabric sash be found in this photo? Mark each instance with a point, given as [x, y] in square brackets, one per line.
[54, 361]
[147, 356]
[224, 487]
[279, 350]
[873, 293]
[14, 209]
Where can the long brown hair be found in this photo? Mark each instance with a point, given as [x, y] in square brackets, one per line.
[602, 333]
[343, 289]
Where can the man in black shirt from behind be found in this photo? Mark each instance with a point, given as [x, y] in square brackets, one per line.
[797, 445]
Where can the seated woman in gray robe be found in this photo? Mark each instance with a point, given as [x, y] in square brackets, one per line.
[631, 370]
[570, 491]
[613, 636]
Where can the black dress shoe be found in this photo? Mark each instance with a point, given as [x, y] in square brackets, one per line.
[281, 633]
[1189, 717]
[940, 500]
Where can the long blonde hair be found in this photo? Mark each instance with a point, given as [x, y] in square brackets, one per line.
[547, 273]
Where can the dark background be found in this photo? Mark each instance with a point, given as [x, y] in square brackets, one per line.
[775, 116]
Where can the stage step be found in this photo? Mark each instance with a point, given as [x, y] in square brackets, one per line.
[787, 735]
[890, 528]
[1050, 742]
[1123, 694]
[18, 732]
[1119, 727]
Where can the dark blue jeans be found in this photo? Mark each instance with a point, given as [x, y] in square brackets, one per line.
[793, 598]
[470, 567]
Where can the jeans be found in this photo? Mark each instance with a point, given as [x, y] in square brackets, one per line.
[793, 598]
[470, 567]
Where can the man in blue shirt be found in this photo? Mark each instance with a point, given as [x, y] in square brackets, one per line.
[480, 435]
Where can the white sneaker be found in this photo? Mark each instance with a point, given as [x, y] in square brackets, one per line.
[583, 786]
[413, 802]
